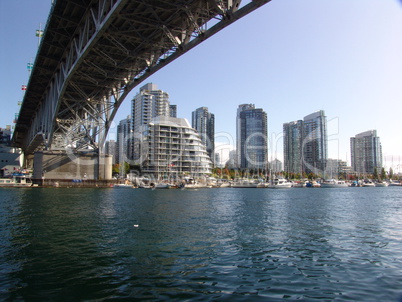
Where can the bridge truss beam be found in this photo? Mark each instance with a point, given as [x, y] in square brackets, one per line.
[95, 52]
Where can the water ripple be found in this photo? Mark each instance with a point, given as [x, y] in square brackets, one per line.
[205, 245]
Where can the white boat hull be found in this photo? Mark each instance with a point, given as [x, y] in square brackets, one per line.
[366, 185]
[14, 183]
[299, 185]
[244, 185]
[123, 186]
[281, 186]
[344, 185]
[162, 186]
[224, 185]
[196, 186]
[280, 183]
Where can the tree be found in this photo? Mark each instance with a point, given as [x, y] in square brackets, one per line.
[126, 168]
[232, 174]
[375, 174]
[383, 174]
[115, 169]
[391, 173]
[217, 172]
[226, 173]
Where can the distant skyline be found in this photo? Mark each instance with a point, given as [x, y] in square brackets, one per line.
[290, 58]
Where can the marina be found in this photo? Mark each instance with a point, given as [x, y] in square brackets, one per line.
[245, 183]
[22, 180]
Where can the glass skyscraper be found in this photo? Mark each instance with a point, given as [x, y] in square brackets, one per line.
[124, 148]
[315, 142]
[204, 122]
[306, 144]
[252, 137]
[366, 152]
[293, 147]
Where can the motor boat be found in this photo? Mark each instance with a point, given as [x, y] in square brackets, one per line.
[281, 183]
[334, 183]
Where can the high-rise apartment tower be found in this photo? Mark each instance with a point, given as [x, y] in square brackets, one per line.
[149, 103]
[366, 152]
[293, 147]
[305, 144]
[204, 122]
[315, 142]
[252, 137]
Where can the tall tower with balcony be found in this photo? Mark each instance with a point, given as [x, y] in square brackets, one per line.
[204, 122]
[149, 103]
[252, 137]
[366, 152]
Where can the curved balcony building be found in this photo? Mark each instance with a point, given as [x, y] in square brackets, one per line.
[171, 147]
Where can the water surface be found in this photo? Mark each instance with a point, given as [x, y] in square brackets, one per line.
[210, 244]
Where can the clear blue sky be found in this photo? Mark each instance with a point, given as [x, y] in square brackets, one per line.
[290, 58]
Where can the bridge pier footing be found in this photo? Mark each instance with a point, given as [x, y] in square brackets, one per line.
[69, 165]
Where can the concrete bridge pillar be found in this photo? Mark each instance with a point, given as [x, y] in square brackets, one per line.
[68, 165]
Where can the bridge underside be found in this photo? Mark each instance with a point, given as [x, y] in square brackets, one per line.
[93, 53]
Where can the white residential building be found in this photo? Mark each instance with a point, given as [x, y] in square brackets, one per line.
[149, 103]
[366, 152]
[173, 148]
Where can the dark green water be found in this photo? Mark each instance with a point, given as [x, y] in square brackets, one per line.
[211, 244]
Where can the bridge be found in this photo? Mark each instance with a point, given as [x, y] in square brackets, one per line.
[93, 53]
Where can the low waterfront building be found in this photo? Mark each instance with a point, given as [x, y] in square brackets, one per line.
[5, 136]
[171, 148]
[232, 161]
[275, 165]
[11, 159]
[217, 161]
[336, 168]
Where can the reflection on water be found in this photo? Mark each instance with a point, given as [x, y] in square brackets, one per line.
[211, 244]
